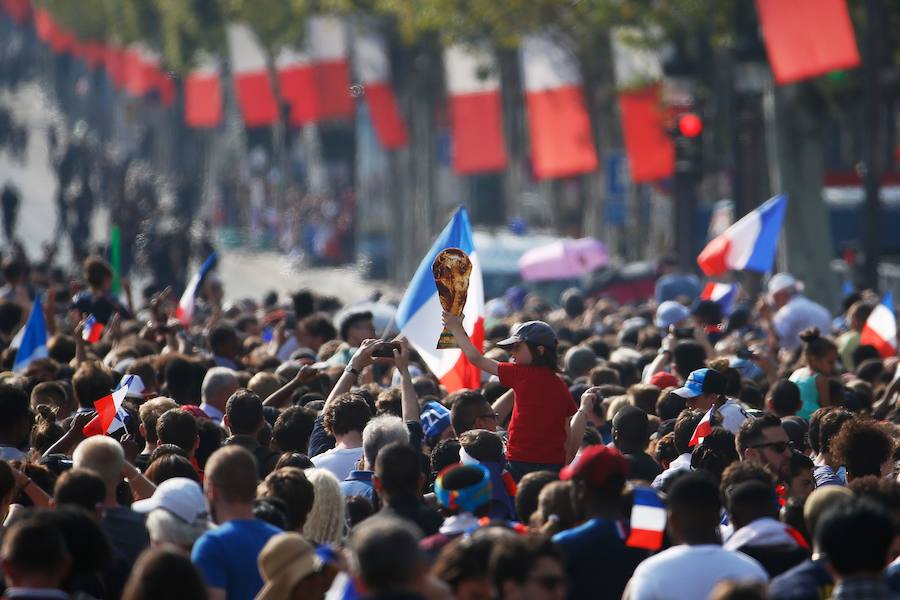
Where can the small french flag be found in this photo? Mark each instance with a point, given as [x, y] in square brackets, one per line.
[722, 294]
[93, 330]
[110, 415]
[185, 310]
[880, 329]
[749, 244]
[703, 429]
[648, 520]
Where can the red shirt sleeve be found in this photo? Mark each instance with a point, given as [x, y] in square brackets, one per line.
[509, 374]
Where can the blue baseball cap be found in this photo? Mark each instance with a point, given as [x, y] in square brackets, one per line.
[435, 419]
[702, 381]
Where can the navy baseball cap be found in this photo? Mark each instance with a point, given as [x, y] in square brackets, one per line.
[531, 332]
[702, 381]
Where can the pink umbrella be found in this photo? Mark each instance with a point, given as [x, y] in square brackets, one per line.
[565, 259]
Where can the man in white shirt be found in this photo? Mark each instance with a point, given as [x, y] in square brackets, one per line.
[795, 312]
[692, 569]
[344, 418]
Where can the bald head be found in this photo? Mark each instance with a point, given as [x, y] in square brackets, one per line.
[102, 455]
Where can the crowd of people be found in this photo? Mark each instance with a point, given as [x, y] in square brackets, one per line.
[281, 449]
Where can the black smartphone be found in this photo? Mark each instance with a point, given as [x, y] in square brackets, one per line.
[684, 333]
[385, 349]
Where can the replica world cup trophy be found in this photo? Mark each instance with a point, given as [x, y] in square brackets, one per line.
[451, 269]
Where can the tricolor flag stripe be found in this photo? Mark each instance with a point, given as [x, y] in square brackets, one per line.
[748, 245]
[297, 85]
[476, 114]
[185, 310]
[93, 330]
[722, 294]
[880, 329]
[251, 77]
[107, 408]
[419, 314]
[561, 139]
[328, 48]
[373, 70]
[648, 520]
[703, 429]
[203, 94]
[32, 345]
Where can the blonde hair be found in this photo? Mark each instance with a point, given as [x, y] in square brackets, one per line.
[325, 523]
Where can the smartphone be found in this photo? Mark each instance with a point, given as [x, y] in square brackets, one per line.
[385, 349]
[684, 333]
[290, 320]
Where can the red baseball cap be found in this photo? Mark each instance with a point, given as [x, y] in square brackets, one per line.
[662, 380]
[596, 465]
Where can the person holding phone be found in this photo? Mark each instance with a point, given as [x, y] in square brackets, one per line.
[546, 427]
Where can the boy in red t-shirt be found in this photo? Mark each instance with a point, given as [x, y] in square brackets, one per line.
[546, 427]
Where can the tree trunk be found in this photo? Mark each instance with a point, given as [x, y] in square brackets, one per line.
[797, 166]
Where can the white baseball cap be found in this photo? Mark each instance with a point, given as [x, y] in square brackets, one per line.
[180, 496]
[780, 282]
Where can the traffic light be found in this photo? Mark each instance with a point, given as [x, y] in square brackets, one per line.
[688, 132]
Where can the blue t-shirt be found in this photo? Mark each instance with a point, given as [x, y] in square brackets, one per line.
[807, 581]
[226, 556]
[596, 559]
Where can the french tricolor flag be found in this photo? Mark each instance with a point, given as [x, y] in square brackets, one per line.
[476, 114]
[648, 520]
[251, 77]
[703, 429]
[419, 314]
[722, 294]
[185, 310]
[93, 330]
[110, 414]
[203, 94]
[749, 244]
[373, 68]
[880, 330]
[562, 144]
[328, 45]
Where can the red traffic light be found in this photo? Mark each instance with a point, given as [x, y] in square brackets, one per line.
[690, 125]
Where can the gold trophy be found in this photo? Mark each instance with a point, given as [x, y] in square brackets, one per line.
[451, 269]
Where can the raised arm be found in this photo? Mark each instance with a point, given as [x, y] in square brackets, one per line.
[280, 397]
[454, 325]
[578, 422]
[409, 400]
[504, 405]
[360, 360]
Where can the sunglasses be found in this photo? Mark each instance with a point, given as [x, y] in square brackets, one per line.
[550, 582]
[778, 447]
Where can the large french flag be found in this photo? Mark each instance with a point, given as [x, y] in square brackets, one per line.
[419, 314]
[297, 84]
[880, 329]
[17, 10]
[476, 114]
[203, 94]
[807, 38]
[373, 68]
[185, 310]
[251, 77]
[31, 341]
[749, 244]
[722, 294]
[648, 520]
[558, 122]
[328, 47]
